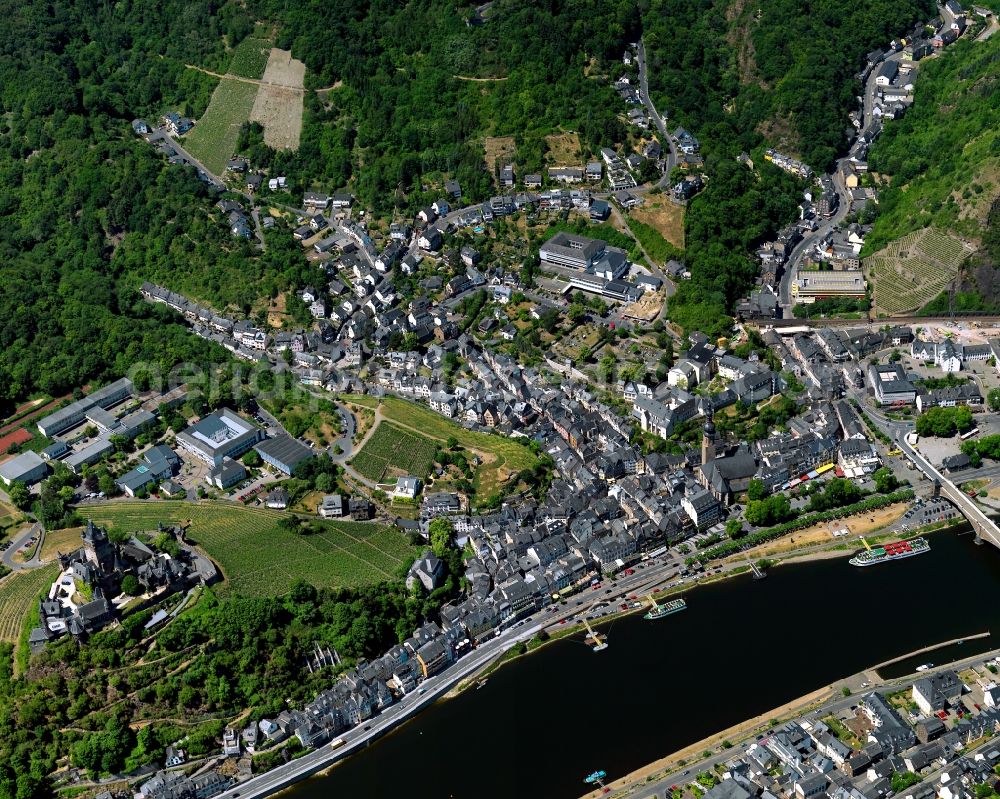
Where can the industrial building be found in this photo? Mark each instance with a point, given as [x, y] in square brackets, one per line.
[284, 453]
[27, 468]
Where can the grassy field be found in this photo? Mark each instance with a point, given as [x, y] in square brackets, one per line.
[564, 149]
[213, 139]
[501, 457]
[18, 592]
[664, 217]
[250, 57]
[393, 448]
[261, 558]
[10, 520]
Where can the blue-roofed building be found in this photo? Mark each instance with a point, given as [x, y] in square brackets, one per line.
[284, 453]
[158, 463]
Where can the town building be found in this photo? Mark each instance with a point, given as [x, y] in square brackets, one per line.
[76, 413]
[221, 434]
[27, 468]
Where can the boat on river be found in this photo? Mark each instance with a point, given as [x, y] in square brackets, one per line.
[894, 551]
[666, 609]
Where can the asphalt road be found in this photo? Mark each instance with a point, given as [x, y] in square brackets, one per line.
[809, 241]
[897, 430]
[641, 582]
[159, 134]
[661, 126]
[8, 555]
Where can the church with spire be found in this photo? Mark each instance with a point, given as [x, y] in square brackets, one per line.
[725, 473]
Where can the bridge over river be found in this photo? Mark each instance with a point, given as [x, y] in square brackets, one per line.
[986, 529]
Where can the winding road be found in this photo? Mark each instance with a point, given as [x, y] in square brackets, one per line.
[8, 555]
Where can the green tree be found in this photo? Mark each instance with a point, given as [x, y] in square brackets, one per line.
[252, 459]
[441, 531]
[19, 495]
[734, 528]
[756, 490]
[131, 586]
[993, 399]
[885, 480]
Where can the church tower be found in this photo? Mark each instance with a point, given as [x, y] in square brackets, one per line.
[708, 440]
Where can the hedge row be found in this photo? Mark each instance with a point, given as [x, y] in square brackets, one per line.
[870, 504]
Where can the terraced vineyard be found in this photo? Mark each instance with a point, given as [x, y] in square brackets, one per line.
[913, 270]
[259, 557]
[250, 57]
[392, 447]
[18, 592]
[213, 139]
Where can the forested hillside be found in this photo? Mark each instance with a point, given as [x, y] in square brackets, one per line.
[940, 167]
[940, 164]
[742, 76]
[89, 211]
[401, 116]
[74, 186]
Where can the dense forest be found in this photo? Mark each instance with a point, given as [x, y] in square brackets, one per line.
[743, 76]
[400, 117]
[84, 206]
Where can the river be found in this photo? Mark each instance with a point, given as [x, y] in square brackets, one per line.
[543, 722]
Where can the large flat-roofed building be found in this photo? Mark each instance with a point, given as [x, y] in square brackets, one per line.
[576, 252]
[222, 434]
[890, 385]
[283, 453]
[27, 468]
[76, 413]
[811, 286]
[90, 454]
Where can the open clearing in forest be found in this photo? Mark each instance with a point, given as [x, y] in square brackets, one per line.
[278, 106]
[564, 149]
[499, 151]
[259, 556]
[667, 218]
